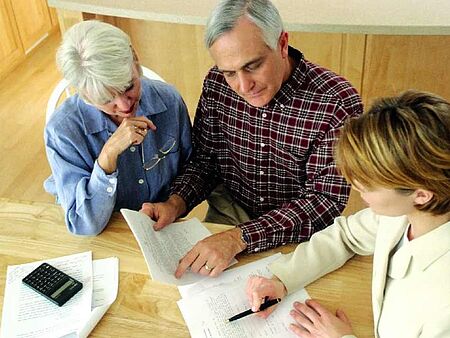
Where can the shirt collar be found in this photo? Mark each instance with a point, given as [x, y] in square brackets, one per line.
[428, 248]
[149, 104]
[424, 251]
[295, 80]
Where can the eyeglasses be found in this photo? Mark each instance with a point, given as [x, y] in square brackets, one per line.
[160, 155]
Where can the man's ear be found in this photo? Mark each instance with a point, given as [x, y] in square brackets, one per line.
[283, 41]
[422, 196]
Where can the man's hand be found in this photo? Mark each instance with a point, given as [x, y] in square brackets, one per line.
[315, 321]
[258, 288]
[166, 212]
[131, 131]
[212, 255]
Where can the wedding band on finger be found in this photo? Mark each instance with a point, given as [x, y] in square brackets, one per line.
[208, 268]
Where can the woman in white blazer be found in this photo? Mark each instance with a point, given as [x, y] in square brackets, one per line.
[397, 156]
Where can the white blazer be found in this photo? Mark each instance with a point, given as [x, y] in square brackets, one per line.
[410, 289]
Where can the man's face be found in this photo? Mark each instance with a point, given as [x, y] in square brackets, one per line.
[253, 70]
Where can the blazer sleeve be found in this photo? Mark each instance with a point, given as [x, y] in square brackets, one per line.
[327, 250]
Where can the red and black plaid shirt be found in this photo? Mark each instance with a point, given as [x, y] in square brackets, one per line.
[276, 161]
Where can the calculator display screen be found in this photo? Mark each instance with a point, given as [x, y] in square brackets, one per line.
[61, 289]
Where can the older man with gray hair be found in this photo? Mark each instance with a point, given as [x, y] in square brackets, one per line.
[263, 138]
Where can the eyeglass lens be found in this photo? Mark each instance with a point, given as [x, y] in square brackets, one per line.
[162, 152]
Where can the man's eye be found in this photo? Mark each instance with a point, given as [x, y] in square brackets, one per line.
[229, 74]
[253, 67]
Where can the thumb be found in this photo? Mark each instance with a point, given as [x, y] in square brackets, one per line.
[161, 222]
[342, 316]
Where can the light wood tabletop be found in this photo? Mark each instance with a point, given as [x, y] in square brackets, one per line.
[32, 231]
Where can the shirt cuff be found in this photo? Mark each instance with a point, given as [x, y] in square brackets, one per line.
[104, 182]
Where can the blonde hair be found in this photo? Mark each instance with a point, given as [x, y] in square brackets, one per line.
[401, 143]
[97, 59]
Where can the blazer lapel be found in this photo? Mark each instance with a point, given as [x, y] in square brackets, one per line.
[389, 233]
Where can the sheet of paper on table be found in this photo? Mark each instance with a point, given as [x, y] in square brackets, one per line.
[163, 249]
[28, 314]
[207, 305]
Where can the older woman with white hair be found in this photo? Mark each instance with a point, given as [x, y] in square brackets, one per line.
[121, 139]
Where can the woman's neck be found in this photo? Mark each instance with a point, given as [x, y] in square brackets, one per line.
[423, 222]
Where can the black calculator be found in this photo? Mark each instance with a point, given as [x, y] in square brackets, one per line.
[52, 283]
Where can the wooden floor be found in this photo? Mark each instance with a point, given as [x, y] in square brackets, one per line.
[23, 98]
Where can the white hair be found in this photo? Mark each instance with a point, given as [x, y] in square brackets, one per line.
[97, 59]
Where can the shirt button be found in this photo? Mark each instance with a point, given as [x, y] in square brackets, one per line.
[132, 149]
[109, 189]
[112, 180]
[261, 172]
[141, 181]
[261, 199]
[263, 145]
[264, 115]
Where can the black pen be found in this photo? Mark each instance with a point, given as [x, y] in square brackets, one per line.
[263, 306]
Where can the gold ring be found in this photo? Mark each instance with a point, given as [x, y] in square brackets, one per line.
[208, 268]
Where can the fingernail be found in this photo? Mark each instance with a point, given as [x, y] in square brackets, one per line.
[254, 309]
[296, 303]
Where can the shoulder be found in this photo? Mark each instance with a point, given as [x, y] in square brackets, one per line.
[324, 82]
[163, 90]
[214, 80]
[67, 117]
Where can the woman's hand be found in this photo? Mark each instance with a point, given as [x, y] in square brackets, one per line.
[130, 132]
[258, 288]
[312, 320]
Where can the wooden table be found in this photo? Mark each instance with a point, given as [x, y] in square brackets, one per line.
[32, 231]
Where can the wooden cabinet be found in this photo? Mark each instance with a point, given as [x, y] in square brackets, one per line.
[23, 24]
[32, 20]
[376, 65]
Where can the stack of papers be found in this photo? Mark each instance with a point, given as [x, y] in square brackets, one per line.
[28, 314]
[207, 305]
[206, 302]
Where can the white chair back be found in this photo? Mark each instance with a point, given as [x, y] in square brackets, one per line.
[62, 90]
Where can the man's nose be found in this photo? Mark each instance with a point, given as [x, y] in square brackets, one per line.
[245, 83]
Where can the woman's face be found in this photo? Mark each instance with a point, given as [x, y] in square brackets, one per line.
[386, 202]
[124, 105]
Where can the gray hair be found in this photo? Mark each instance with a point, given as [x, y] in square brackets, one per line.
[97, 59]
[261, 12]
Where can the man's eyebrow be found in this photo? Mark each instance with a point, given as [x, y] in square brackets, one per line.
[256, 60]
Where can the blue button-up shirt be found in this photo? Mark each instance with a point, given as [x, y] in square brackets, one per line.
[75, 136]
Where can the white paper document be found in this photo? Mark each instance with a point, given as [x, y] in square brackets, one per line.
[106, 285]
[163, 249]
[207, 306]
[27, 314]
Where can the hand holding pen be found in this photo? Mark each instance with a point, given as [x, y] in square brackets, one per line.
[258, 288]
[264, 306]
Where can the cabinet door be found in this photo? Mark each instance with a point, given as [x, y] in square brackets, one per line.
[33, 20]
[11, 51]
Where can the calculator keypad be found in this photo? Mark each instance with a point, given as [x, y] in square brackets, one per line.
[52, 283]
